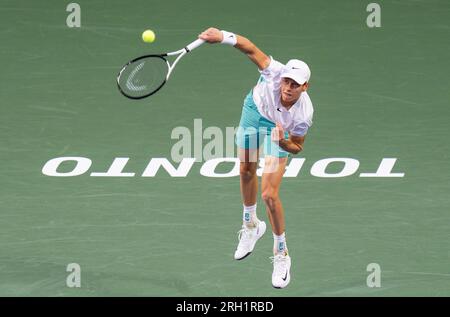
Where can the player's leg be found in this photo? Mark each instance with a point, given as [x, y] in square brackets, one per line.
[248, 140]
[274, 168]
[247, 171]
[252, 228]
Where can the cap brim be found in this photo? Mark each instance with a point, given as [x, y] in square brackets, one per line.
[298, 79]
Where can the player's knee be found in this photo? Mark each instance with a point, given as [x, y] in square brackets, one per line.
[269, 195]
[247, 170]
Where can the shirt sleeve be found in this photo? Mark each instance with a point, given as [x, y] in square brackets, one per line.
[271, 72]
[301, 129]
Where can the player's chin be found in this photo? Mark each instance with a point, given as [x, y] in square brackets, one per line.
[286, 97]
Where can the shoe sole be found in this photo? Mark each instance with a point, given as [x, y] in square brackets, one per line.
[243, 256]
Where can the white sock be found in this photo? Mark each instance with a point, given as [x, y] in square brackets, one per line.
[249, 216]
[279, 244]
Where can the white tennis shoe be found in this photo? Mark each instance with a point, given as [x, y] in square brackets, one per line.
[248, 238]
[281, 275]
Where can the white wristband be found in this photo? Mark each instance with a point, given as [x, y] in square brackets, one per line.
[229, 38]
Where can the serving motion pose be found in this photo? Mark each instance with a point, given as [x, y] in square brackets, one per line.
[278, 113]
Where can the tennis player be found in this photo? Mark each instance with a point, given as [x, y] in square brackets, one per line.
[279, 112]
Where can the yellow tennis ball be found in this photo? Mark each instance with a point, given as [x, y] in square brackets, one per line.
[148, 36]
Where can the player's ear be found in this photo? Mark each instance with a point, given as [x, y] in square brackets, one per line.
[305, 86]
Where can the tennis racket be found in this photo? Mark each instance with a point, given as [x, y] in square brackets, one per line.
[145, 75]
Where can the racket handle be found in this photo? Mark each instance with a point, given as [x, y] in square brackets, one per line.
[194, 44]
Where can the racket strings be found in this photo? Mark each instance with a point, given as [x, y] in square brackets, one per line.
[129, 82]
[143, 77]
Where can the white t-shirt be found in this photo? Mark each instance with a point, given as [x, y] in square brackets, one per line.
[267, 97]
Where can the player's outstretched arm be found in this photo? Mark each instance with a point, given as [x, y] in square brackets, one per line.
[213, 35]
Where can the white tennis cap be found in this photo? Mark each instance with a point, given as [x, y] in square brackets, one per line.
[296, 70]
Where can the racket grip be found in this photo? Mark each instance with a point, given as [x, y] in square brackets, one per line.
[194, 45]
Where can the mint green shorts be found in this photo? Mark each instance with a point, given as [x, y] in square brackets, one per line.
[254, 129]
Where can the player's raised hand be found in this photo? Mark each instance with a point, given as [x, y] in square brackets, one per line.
[211, 35]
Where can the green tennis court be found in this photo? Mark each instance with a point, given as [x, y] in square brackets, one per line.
[379, 94]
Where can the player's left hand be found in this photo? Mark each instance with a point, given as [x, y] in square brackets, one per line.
[277, 133]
